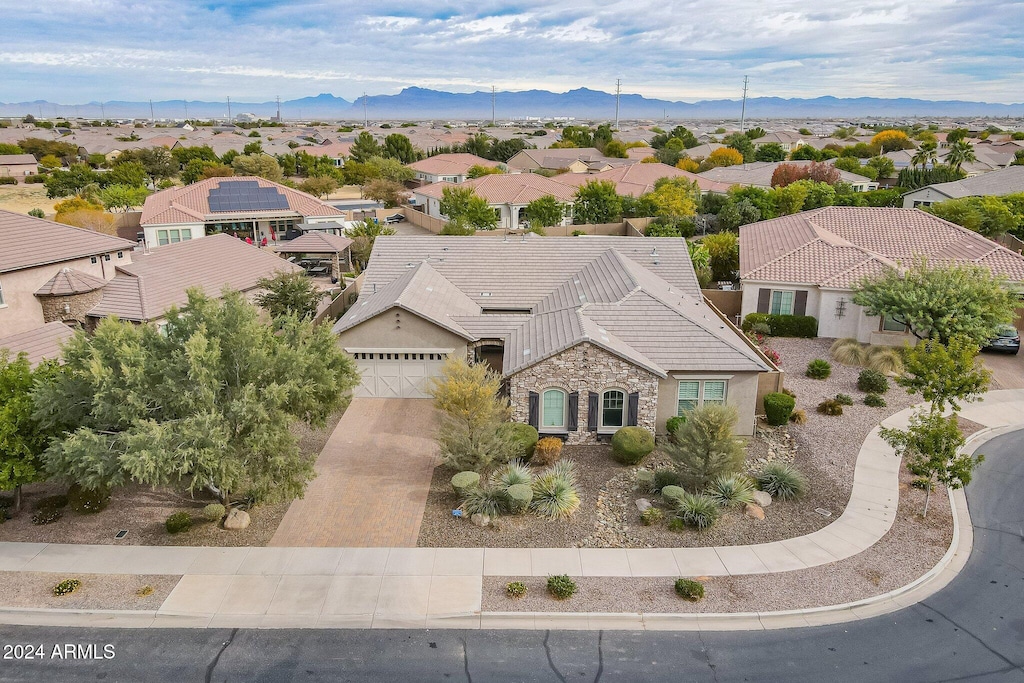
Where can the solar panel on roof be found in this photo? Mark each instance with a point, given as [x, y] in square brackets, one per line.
[245, 195]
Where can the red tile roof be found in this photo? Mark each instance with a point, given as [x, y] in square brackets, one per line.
[507, 188]
[637, 179]
[451, 164]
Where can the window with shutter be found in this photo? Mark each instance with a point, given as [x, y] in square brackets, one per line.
[553, 403]
[714, 392]
[689, 395]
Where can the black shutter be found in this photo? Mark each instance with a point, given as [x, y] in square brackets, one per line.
[633, 409]
[574, 412]
[534, 404]
[764, 298]
[800, 303]
[593, 405]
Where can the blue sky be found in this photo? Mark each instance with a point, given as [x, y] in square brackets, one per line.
[76, 51]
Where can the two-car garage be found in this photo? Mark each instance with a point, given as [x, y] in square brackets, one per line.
[397, 373]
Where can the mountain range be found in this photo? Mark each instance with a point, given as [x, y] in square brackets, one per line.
[583, 103]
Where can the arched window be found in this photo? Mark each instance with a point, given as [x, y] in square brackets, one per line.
[613, 409]
[552, 410]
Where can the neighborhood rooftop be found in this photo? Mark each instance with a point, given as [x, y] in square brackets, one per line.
[38, 344]
[28, 242]
[1001, 182]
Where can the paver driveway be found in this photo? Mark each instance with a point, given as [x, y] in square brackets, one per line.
[372, 479]
[1007, 370]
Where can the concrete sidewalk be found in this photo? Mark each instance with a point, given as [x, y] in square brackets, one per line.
[431, 587]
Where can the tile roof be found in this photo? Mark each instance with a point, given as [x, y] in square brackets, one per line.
[507, 188]
[1004, 181]
[17, 160]
[759, 173]
[637, 179]
[190, 204]
[838, 246]
[146, 288]
[28, 242]
[315, 242]
[70, 281]
[38, 344]
[637, 298]
[451, 164]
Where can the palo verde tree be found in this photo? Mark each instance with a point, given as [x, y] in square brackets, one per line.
[207, 402]
[289, 294]
[940, 303]
[944, 375]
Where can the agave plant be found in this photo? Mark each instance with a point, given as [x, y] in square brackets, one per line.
[782, 481]
[554, 497]
[698, 510]
[565, 469]
[512, 473]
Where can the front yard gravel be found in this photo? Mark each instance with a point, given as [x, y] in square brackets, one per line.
[98, 591]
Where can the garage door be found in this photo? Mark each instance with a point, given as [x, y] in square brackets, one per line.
[387, 374]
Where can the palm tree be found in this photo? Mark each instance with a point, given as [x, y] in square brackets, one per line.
[960, 153]
[927, 153]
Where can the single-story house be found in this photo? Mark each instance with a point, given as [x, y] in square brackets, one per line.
[810, 263]
[638, 179]
[507, 193]
[589, 333]
[997, 183]
[18, 166]
[449, 168]
[759, 174]
[337, 152]
[788, 139]
[571, 159]
[242, 205]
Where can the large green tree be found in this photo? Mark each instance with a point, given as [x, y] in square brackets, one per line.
[398, 146]
[941, 302]
[363, 235]
[989, 216]
[463, 206]
[960, 152]
[364, 148]
[289, 294]
[545, 211]
[944, 374]
[206, 402]
[597, 202]
[260, 165]
[122, 198]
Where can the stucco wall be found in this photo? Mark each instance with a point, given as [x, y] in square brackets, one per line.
[924, 194]
[750, 293]
[741, 392]
[585, 368]
[400, 329]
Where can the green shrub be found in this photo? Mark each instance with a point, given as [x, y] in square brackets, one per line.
[698, 511]
[463, 482]
[673, 424]
[673, 494]
[732, 490]
[515, 589]
[781, 481]
[651, 516]
[848, 351]
[88, 501]
[778, 407]
[214, 512]
[819, 369]
[874, 401]
[178, 522]
[519, 497]
[783, 325]
[37, 178]
[562, 587]
[8, 180]
[554, 497]
[577, 233]
[630, 445]
[512, 473]
[644, 480]
[524, 436]
[798, 417]
[665, 477]
[706, 447]
[66, 586]
[55, 502]
[46, 515]
[547, 451]
[872, 382]
[830, 407]
[844, 399]
[676, 524]
[688, 589]
[486, 500]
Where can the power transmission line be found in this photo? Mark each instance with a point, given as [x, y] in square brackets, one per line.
[618, 91]
[743, 110]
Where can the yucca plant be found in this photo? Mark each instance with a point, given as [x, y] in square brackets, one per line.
[885, 359]
[486, 500]
[782, 481]
[698, 511]
[512, 473]
[565, 469]
[732, 490]
[848, 351]
[554, 497]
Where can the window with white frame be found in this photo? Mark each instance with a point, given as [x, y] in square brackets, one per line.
[694, 393]
[782, 302]
[613, 409]
[553, 410]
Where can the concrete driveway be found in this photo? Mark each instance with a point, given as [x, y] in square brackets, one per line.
[372, 479]
[1007, 370]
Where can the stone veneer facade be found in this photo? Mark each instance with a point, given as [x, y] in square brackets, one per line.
[585, 368]
[78, 306]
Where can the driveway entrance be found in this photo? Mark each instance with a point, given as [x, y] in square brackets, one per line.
[372, 479]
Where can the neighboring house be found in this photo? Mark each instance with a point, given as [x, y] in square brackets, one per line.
[144, 290]
[38, 344]
[789, 140]
[998, 183]
[507, 193]
[810, 263]
[449, 168]
[335, 151]
[590, 334]
[759, 174]
[638, 179]
[246, 206]
[52, 272]
[18, 166]
[572, 160]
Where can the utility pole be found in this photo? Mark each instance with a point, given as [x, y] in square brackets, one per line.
[279, 109]
[366, 121]
[186, 109]
[618, 91]
[492, 106]
[152, 116]
[103, 112]
[743, 110]
[229, 109]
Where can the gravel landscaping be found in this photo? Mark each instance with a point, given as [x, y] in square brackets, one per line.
[98, 591]
[142, 511]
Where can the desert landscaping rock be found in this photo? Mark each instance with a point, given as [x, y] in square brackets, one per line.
[642, 504]
[753, 511]
[762, 498]
[480, 519]
[237, 520]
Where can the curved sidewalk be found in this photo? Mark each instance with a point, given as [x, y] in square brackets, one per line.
[442, 587]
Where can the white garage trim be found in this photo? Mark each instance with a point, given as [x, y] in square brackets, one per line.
[397, 373]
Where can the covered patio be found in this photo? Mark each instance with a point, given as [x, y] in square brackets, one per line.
[322, 254]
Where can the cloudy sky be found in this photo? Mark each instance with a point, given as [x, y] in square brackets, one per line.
[75, 51]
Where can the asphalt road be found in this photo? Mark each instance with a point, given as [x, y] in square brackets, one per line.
[973, 630]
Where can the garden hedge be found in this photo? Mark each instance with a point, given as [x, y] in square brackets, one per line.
[778, 407]
[784, 325]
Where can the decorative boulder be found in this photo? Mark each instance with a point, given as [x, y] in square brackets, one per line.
[463, 482]
[480, 519]
[642, 504]
[753, 511]
[762, 498]
[236, 520]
